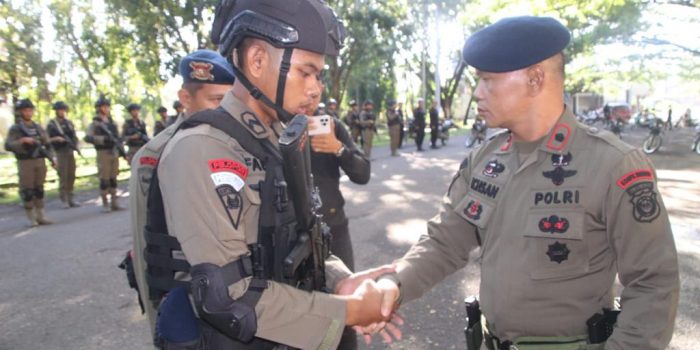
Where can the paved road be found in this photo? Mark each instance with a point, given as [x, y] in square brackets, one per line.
[61, 288]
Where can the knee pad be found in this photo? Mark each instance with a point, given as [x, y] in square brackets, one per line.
[236, 319]
[113, 183]
[39, 193]
[104, 184]
[27, 194]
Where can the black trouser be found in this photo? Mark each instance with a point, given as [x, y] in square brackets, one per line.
[341, 246]
[420, 134]
[433, 134]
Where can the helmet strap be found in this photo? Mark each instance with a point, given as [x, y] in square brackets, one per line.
[257, 94]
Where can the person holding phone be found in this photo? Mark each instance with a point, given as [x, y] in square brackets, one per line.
[331, 151]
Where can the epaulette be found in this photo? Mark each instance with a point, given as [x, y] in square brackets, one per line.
[608, 137]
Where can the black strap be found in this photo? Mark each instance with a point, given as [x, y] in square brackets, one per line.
[172, 265]
[161, 239]
[285, 65]
[220, 119]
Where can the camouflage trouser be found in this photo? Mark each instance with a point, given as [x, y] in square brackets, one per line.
[65, 167]
[32, 175]
[395, 136]
[107, 170]
[367, 136]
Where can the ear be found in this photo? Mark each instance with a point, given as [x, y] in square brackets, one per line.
[256, 58]
[535, 79]
[185, 98]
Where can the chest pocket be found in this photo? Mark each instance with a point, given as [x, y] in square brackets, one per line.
[556, 244]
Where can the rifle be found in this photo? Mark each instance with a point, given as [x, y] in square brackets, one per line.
[313, 235]
[40, 150]
[115, 141]
[69, 140]
[135, 130]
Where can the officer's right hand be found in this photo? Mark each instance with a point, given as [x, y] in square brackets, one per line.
[364, 306]
[27, 140]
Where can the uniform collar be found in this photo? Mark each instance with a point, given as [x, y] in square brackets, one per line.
[558, 141]
[248, 119]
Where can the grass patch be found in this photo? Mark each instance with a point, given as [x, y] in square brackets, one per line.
[86, 176]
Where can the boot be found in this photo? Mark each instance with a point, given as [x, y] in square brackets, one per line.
[64, 199]
[30, 216]
[105, 202]
[40, 219]
[62, 196]
[71, 203]
[115, 206]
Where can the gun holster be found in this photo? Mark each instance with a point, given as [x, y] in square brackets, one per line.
[600, 326]
[473, 331]
[128, 266]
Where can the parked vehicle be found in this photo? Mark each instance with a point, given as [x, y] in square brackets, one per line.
[653, 142]
[478, 133]
[444, 128]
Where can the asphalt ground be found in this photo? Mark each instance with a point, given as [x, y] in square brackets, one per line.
[60, 287]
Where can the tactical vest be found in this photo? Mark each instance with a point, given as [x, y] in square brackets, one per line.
[277, 231]
[29, 151]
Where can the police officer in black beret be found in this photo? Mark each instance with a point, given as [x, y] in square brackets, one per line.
[559, 210]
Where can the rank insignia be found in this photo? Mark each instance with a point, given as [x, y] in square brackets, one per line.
[473, 210]
[559, 174]
[253, 123]
[558, 252]
[493, 168]
[554, 224]
[201, 71]
[643, 198]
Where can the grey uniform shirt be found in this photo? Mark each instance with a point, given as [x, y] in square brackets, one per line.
[555, 229]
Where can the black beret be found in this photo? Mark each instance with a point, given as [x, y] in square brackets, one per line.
[177, 104]
[368, 102]
[162, 109]
[102, 101]
[514, 43]
[133, 106]
[207, 67]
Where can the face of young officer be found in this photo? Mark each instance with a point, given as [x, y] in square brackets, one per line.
[208, 96]
[61, 113]
[135, 113]
[26, 114]
[502, 97]
[103, 110]
[303, 85]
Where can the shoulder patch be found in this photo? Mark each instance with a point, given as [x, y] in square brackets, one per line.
[148, 161]
[228, 165]
[632, 177]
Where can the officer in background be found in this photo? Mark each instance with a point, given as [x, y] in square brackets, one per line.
[352, 120]
[557, 207]
[402, 121]
[64, 142]
[179, 112]
[162, 123]
[419, 124]
[434, 124]
[330, 153]
[332, 108]
[30, 144]
[134, 131]
[103, 134]
[393, 122]
[366, 122]
[221, 172]
[198, 92]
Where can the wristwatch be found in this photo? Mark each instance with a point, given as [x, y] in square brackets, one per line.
[340, 151]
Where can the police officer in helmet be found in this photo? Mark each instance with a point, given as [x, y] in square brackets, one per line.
[220, 172]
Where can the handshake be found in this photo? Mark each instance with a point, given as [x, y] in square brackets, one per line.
[371, 305]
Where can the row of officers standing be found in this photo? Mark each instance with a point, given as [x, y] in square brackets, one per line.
[362, 123]
[32, 145]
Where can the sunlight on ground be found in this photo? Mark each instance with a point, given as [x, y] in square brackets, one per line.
[406, 232]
